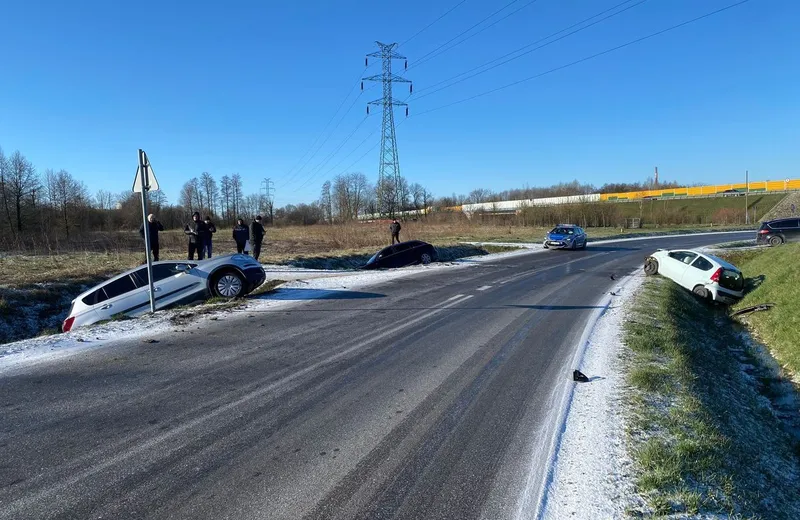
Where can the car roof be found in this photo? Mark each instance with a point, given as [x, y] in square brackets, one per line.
[780, 220]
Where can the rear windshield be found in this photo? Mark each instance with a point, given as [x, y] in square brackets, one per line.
[732, 280]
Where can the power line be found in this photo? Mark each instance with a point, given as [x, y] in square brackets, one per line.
[448, 42]
[425, 60]
[432, 23]
[587, 58]
[327, 138]
[530, 45]
[315, 171]
[323, 131]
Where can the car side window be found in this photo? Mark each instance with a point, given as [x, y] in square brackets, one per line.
[386, 252]
[116, 288]
[402, 247]
[683, 256]
[92, 297]
[702, 264]
[794, 224]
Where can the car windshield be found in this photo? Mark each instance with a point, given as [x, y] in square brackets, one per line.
[373, 258]
[563, 231]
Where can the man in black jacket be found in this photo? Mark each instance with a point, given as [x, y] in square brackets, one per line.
[241, 234]
[395, 228]
[256, 236]
[154, 227]
[207, 244]
[196, 230]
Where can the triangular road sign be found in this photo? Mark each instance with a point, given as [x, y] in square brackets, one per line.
[150, 181]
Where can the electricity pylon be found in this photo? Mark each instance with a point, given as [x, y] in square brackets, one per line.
[389, 166]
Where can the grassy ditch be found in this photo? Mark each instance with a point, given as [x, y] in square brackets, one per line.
[777, 280]
[704, 440]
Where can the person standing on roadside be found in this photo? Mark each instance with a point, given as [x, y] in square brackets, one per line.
[207, 244]
[256, 236]
[395, 228]
[241, 234]
[196, 230]
[154, 227]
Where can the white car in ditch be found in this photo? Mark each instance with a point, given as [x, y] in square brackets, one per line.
[707, 276]
[175, 282]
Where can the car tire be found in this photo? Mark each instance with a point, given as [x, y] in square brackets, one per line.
[425, 259]
[651, 267]
[775, 241]
[701, 292]
[584, 245]
[545, 246]
[227, 284]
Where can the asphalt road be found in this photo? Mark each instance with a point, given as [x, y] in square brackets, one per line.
[433, 396]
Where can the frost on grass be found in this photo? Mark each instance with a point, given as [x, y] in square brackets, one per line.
[705, 441]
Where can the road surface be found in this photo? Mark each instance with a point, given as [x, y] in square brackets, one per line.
[433, 396]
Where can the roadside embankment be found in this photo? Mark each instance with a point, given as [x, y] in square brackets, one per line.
[704, 438]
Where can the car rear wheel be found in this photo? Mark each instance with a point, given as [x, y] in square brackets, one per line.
[651, 267]
[228, 284]
[425, 259]
[701, 292]
[775, 241]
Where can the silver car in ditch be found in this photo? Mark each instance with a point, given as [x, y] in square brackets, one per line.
[175, 282]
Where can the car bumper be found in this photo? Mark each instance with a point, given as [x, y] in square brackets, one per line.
[255, 276]
[724, 296]
[761, 239]
[557, 244]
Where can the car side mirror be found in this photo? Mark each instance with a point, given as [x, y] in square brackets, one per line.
[182, 267]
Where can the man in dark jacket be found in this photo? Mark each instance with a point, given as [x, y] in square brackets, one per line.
[154, 227]
[196, 230]
[241, 234]
[256, 236]
[395, 228]
[207, 244]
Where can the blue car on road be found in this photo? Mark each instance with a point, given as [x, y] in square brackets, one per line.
[565, 236]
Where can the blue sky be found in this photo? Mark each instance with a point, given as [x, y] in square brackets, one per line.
[247, 86]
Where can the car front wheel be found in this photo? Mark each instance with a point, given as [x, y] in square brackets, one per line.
[651, 267]
[228, 284]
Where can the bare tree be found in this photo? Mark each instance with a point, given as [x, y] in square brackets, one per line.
[21, 184]
[326, 203]
[66, 194]
[225, 198]
[5, 193]
[209, 188]
[236, 193]
[479, 195]
[104, 200]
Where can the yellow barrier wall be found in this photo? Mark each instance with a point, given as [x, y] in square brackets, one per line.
[695, 191]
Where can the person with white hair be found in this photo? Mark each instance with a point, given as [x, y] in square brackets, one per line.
[154, 227]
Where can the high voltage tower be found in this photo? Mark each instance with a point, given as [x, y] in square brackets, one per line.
[389, 166]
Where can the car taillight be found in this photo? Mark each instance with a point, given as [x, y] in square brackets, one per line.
[67, 325]
[716, 275]
[763, 231]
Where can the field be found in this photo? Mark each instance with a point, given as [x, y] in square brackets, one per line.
[720, 210]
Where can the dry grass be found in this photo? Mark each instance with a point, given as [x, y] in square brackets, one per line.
[283, 244]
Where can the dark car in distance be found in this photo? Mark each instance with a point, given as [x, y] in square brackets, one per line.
[778, 231]
[402, 254]
[565, 236]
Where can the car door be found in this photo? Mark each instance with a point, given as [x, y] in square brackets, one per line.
[403, 255]
[791, 230]
[676, 263]
[172, 282]
[122, 296]
[384, 258]
[698, 273]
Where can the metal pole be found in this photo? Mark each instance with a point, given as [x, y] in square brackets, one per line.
[746, 191]
[145, 183]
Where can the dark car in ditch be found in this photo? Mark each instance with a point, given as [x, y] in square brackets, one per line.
[403, 254]
[778, 231]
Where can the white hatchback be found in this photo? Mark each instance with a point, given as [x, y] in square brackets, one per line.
[707, 276]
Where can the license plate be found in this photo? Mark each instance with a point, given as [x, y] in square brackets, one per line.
[551, 243]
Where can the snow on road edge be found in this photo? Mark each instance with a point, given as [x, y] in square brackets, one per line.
[591, 472]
